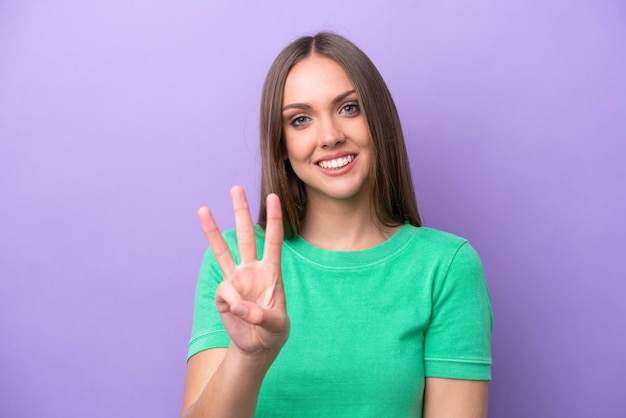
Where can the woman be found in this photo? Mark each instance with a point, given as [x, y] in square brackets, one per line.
[385, 317]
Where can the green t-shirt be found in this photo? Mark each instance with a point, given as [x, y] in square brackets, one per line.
[367, 326]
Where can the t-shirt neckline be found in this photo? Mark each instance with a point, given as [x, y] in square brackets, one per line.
[350, 259]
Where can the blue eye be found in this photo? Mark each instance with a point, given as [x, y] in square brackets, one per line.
[299, 120]
[350, 108]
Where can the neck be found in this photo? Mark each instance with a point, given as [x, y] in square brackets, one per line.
[343, 225]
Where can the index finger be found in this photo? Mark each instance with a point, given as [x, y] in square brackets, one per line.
[273, 231]
[216, 241]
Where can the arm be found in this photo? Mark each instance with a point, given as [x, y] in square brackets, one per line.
[458, 341]
[225, 382]
[451, 398]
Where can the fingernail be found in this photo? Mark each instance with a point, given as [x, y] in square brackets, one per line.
[240, 310]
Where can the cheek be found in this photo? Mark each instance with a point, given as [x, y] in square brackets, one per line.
[286, 145]
[288, 148]
[364, 134]
[296, 145]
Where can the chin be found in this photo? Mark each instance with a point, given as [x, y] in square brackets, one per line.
[347, 193]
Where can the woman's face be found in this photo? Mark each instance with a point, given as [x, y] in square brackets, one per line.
[327, 140]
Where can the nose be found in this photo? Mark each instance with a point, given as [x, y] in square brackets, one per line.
[331, 133]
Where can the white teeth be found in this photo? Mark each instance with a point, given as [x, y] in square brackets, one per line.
[336, 163]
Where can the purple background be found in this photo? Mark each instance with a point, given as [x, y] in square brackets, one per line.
[118, 119]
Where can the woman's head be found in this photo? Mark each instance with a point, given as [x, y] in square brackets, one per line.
[391, 191]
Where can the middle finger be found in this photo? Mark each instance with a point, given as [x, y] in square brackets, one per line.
[246, 239]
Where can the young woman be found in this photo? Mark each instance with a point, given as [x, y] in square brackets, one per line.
[338, 303]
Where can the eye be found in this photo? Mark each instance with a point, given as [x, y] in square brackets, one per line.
[351, 108]
[299, 120]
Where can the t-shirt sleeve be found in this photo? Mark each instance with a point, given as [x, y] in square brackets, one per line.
[207, 329]
[457, 344]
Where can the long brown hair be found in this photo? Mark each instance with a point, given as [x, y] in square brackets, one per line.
[392, 193]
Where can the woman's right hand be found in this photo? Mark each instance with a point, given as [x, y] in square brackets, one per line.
[251, 299]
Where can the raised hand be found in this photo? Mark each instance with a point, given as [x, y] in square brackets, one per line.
[251, 299]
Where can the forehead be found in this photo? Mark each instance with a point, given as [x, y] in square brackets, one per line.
[315, 77]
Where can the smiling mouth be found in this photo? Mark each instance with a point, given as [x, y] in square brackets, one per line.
[336, 163]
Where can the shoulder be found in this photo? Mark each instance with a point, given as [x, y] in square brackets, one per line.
[443, 253]
[434, 235]
[434, 240]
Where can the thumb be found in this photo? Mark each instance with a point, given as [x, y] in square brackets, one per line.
[273, 320]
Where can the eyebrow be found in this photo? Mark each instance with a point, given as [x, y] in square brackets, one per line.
[306, 106]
